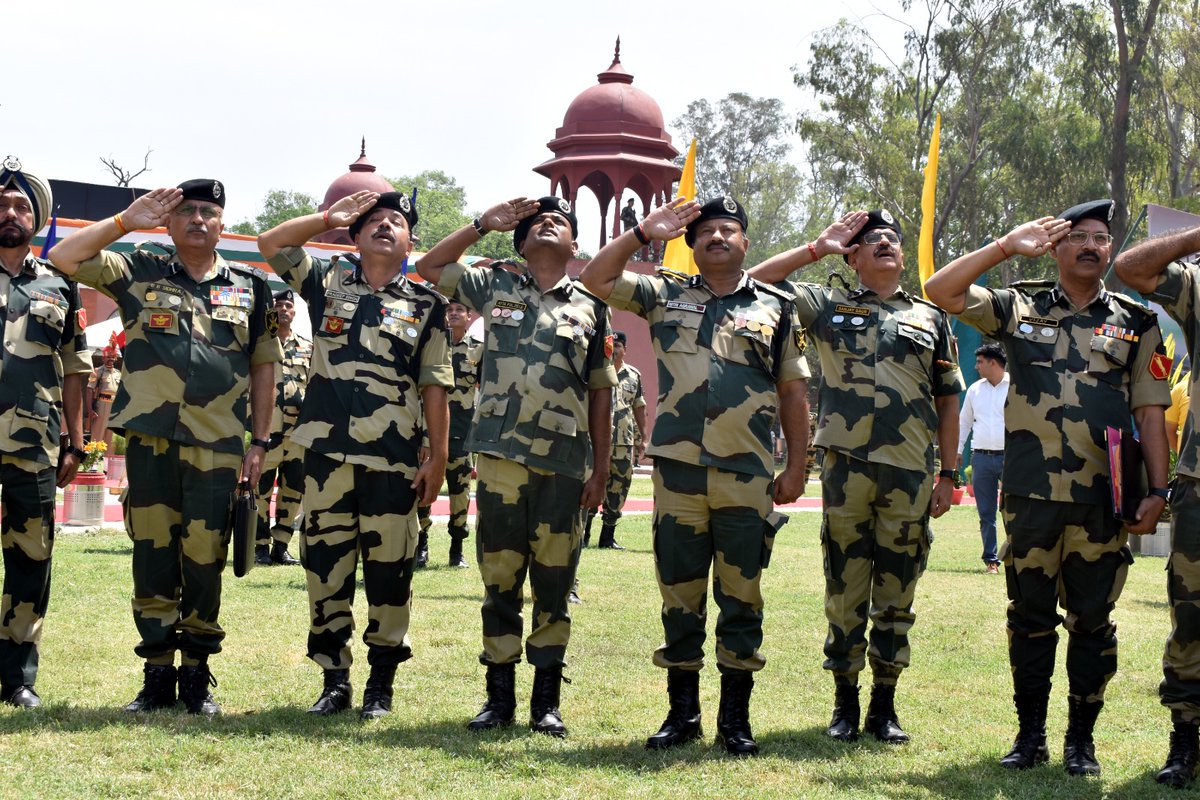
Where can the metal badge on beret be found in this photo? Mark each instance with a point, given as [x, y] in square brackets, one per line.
[886, 216]
[12, 164]
[730, 204]
[564, 206]
[217, 189]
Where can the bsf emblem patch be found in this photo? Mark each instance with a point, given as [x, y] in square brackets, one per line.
[164, 319]
[801, 340]
[608, 346]
[334, 325]
[272, 321]
[1160, 367]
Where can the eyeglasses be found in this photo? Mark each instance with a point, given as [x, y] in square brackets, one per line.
[875, 237]
[1080, 238]
[206, 212]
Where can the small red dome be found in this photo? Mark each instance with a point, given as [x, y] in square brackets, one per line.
[361, 176]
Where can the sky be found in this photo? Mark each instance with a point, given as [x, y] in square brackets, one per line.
[277, 95]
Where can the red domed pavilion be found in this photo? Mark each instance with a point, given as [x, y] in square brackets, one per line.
[361, 176]
[612, 140]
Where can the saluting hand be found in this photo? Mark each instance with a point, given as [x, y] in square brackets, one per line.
[344, 212]
[1035, 238]
[151, 209]
[507, 215]
[833, 240]
[671, 220]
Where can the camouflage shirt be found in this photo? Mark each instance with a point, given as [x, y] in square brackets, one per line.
[719, 361]
[465, 356]
[373, 351]
[291, 378]
[1178, 291]
[543, 352]
[1074, 372]
[627, 395]
[188, 346]
[883, 361]
[42, 324]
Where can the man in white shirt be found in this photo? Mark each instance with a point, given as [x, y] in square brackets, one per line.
[983, 414]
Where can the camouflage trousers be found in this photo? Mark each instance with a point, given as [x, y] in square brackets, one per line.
[1075, 554]
[458, 485]
[353, 509]
[27, 535]
[875, 542]
[709, 518]
[1180, 687]
[529, 522]
[175, 513]
[620, 477]
[284, 465]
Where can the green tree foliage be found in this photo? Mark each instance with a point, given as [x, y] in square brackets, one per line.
[442, 203]
[278, 206]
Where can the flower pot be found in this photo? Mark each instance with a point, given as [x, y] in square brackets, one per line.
[958, 495]
[83, 499]
[116, 468]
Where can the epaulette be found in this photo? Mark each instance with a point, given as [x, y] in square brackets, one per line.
[633, 369]
[505, 263]
[923, 301]
[673, 274]
[1133, 305]
[1033, 284]
[772, 289]
[424, 288]
[141, 247]
[238, 266]
[577, 286]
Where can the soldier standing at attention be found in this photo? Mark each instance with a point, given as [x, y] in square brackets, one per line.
[629, 437]
[102, 390]
[545, 393]
[379, 357]
[196, 343]
[729, 354]
[285, 460]
[466, 352]
[1081, 359]
[1155, 269]
[890, 385]
[41, 376]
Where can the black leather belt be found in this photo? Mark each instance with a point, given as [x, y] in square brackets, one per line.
[988, 452]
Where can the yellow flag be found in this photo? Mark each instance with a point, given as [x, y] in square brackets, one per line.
[928, 196]
[679, 256]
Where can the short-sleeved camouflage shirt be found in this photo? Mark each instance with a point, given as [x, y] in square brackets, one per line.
[41, 326]
[188, 346]
[291, 379]
[543, 352]
[465, 357]
[1073, 372]
[373, 351]
[883, 361]
[719, 362]
[627, 395]
[1178, 291]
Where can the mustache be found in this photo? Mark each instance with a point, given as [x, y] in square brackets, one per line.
[717, 246]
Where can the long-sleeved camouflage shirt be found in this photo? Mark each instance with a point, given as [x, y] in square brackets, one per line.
[291, 379]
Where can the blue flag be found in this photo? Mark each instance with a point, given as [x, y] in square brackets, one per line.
[51, 235]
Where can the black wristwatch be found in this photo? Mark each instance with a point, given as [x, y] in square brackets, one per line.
[263, 443]
[948, 473]
[477, 224]
[75, 451]
[1165, 494]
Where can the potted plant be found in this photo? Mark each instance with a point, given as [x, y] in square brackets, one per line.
[116, 460]
[83, 499]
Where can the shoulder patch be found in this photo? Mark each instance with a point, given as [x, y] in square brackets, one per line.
[663, 272]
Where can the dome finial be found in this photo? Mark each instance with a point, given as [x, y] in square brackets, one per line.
[363, 152]
[617, 52]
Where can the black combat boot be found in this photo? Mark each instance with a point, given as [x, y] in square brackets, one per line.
[1079, 751]
[457, 559]
[501, 698]
[683, 720]
[1184, 755]
[881, 716]
[544, 716]
[262, 555]
[377, 696]
[846, 711]
[1029, 749]
[158, 689]
[422, 557]
[194, 693]
[733, 714]
[607, 542]
[335, 697]
[280, 555]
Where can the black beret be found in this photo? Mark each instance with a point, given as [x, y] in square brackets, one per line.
[396, 201]
[1093, 209]
[879, 218]
[207, 189]
[619, 336]
[284, 296]
[717, 208]
[547, 204]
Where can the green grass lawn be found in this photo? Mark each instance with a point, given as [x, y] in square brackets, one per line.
[955, 701]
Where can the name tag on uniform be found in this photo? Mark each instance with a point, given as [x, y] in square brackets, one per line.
[162, 319]
[344, 300]
[685, 306]
[854, 311]
[511, 305]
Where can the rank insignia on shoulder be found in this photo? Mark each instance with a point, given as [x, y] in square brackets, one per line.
[1160, 367]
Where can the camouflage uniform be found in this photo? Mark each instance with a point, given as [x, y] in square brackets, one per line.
[465, 357]
[285, 460]
[1073, 373]
[360, 424]
[184, 409]
[719, 361]
[627, 396]
[42, 325]
[544, 351]
[1179, 293]
[884, 360]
